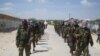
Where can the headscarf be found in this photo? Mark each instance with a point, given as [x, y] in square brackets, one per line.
[25, 24]
[84, 23]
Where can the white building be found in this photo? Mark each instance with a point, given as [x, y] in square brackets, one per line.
[8, 22]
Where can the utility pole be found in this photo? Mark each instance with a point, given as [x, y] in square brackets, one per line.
[69, 15]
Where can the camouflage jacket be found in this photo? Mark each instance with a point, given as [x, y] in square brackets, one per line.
[77, 32]
[22, 37]
[66, 31]
[86, 37]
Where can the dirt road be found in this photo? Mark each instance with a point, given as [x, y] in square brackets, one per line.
[50, 45]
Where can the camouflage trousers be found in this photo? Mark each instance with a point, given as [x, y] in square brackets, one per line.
[72, 47]
[34, 45]
[84, 50]
[37, 37]
[27, 50]
[98, 39]
[65, 38]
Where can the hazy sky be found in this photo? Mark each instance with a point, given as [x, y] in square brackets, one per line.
[51, 9]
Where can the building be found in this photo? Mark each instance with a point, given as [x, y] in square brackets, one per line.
[8, 22]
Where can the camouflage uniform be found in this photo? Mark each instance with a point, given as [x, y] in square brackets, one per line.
[66, 33]
[62, 30]
[57, 29]
[83, 42]
[98, 33]
[41, 29]
[22, 41]
[32, 30]
[37, 32]
[71, 39]
[34, 44]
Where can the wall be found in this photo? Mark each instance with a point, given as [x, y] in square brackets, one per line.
[9, 24]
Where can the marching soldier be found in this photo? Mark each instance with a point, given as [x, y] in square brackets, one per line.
[98, 33]
[37, 32]
[71, 37]
[57, 28]
[84, 40]
[66, 28]
[32, 32]
[22, 39]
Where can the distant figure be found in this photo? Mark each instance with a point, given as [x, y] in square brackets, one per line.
[45, 23]
[98, 33]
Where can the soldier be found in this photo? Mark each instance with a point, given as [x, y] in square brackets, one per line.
[76, 30]
[84, 40]
[71, 38]
[57, 28]
[66, 28]
[42, 27]
[37, 32]
[22, 39]
[62, 29]
[32, 32]
[98, 33]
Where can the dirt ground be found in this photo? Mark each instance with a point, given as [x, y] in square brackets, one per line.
[50, 45]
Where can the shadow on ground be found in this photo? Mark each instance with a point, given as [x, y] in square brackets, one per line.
[37, 51]
[41, 43]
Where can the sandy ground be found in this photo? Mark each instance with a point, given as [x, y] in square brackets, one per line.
[50, 45]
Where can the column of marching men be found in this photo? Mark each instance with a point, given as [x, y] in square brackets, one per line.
[29, 32]
[76, 34]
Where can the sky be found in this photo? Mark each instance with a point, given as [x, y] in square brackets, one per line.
[51, 9]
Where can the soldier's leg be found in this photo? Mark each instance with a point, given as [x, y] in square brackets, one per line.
[21, 51]
[59, 32]
[36, 38]
[71, 47]
[64, 38]
[86, 51]
[33, 44]
[39, 36]
[99, 38]
[78, 51]
[27, 50]
[71, 51]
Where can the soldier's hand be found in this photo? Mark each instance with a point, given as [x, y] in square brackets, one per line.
[91, 43]
[17, 45]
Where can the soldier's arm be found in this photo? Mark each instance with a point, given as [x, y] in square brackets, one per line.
[78, 34]
[30, 40]
[90, 39]
[29, 35]
[18, 37]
